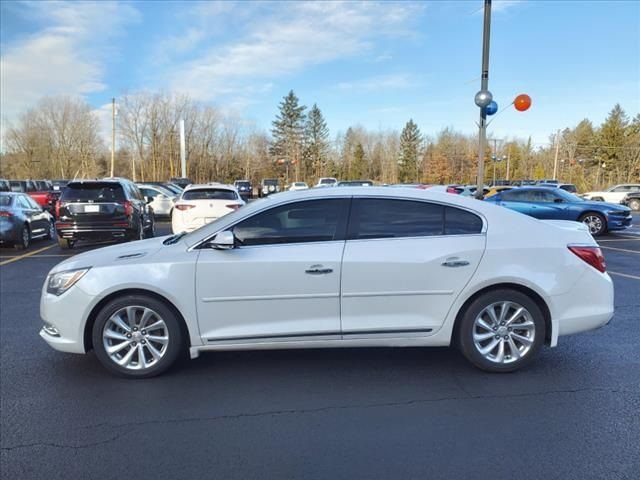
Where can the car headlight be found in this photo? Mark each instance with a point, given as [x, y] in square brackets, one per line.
[60, 282]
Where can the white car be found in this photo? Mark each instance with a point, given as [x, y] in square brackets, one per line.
[298, 186]
[326, 182]
[337, 267]
[162, 199]
[613, 194]
[202, 204]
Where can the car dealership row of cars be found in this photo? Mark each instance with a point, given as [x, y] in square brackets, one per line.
[122, 210]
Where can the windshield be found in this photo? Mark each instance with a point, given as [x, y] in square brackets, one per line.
[569, 197]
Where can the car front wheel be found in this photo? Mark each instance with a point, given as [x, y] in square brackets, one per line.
[501, 331]
[596, 223]
[137, 336]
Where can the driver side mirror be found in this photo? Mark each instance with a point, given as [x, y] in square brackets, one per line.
[148, 200]
[223, 241]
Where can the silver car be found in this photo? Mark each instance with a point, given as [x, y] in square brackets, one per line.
[162, 199]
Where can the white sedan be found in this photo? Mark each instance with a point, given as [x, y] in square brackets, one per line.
[202, 204]
[344, 267]
[613, 194]
[298, 186]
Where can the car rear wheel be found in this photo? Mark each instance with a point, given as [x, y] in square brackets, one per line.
[24, 239]
[501, 331]
[137, 336]
[634, 204]
[52, 231]
[151, 229]
[65, 243]
[596, 223]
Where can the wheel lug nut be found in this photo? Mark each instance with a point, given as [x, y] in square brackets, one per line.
[497, 337]
[134, 344]
[502, 324]
[128, 335]
[135, 329]
[506, 337]
[144, 332]
[142, 342]
[495, 328]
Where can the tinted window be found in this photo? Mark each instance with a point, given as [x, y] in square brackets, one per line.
[96, 192]
[5, 200]
[461, 222]
[517, 196]
[310, 221]
[23, 202]
[32, 203]
[569, 188]
[210, 194]
[388, 218]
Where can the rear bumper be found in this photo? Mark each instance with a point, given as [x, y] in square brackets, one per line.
[85, 232]
[8, 232]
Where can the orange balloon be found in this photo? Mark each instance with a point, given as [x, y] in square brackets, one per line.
[522, 102]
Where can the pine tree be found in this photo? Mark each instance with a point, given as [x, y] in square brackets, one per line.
[288, 131]
[612, 140]
[410, 141]
[358, 165]
[316, 143]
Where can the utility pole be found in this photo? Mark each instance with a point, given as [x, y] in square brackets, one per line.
[113, 133]
[183, 154]
[483, 98]
[555, 161]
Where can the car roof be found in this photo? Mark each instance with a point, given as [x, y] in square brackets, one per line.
[200, 186]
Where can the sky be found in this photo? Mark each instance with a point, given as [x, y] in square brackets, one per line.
[375, 64]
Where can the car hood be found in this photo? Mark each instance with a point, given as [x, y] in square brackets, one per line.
[125, 252]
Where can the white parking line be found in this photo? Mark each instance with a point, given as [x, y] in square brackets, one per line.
[625, 275]
[620, 249]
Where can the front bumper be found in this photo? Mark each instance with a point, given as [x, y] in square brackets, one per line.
[619, 223]
[67, 315]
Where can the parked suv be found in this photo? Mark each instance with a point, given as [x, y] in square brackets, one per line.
[182, 182]
[268, 186]
[102, 210]
[245, 189]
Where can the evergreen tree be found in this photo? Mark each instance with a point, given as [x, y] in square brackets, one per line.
[358, 165]
[288, 131]
[316, 143]
[410, 141]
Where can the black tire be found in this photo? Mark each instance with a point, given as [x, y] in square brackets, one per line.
[137, 233]
[596, 222]
[151, 230]
[174, 347]
[51, 234]
[634, 204]
[65, 243]
[24, 240]
[466, 328]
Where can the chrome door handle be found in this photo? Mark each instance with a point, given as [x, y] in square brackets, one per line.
[455, 262]
[318, 270]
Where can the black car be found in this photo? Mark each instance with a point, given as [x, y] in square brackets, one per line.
[110, 209]
[355, 183]
[182, 182]
[268, 186]
[632, 200]
[22, 220]
[245, 189]
[5, 186]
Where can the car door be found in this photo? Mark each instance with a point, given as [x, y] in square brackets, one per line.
[37, 217]
[548, 205]
[282, 280]
[405, 262]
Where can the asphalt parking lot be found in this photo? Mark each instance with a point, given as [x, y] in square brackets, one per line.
[352, 413]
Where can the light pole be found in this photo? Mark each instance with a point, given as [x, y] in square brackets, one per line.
[113, 134]
[483, 97]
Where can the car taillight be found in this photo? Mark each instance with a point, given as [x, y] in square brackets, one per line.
[184, 207]
[128, 208]
[4, 213]
[592, 255]
[58, 205]
[233, 206]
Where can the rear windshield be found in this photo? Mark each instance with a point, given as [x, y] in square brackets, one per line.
[5, 201]
[209, 194]
[95, 192]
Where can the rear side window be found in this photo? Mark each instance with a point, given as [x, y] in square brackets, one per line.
[389, 218]
[93, 192]
[209, 194]
[5, 200]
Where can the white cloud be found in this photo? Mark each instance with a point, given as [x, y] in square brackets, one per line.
[276, 41]
[64, 57]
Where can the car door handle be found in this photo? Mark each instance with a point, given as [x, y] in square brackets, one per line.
[455, 262]
[318, 270]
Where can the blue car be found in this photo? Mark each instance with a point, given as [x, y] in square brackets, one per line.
[556, 204]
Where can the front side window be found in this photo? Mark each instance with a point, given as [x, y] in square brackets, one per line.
[23, 202]
[308, 221]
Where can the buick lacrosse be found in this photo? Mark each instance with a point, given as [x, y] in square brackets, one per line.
[346, 267]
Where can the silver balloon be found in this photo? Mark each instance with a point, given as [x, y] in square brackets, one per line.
[483, 98]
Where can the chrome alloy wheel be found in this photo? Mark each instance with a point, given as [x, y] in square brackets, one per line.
[593, 222]
[504, 332]
[135, 337]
